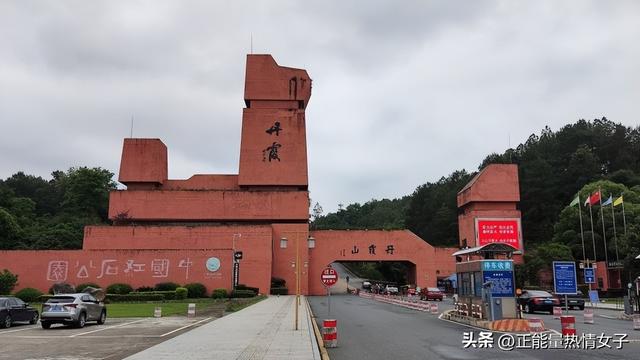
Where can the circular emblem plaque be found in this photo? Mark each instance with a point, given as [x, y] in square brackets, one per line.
[213, 264]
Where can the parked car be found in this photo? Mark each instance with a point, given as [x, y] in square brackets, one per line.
[72, 309]
[366, 285]
[391, 290]
[13, 310]
[574, 301]
[431, 293]
[537, 300]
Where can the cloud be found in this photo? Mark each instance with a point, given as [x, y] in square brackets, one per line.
[404, 93]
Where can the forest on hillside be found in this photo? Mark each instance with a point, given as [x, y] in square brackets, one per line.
[554, 167]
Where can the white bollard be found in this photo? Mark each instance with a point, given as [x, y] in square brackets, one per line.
[191, 310]
[588, 316]
[157, 312]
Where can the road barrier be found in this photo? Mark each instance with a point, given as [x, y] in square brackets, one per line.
[636, 322]
[330, 333]
[434, 308]
[568, 323]
[588, 316]
[191, 310]
[476, 311]
[536, 325]
[157, 312]
[557, 312]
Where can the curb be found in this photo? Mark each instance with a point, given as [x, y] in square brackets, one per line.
[323, 351]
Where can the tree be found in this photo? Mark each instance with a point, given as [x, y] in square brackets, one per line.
[8, 282]
[87, 192]
[10, 231]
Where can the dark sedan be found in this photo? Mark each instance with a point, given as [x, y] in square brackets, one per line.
[573, 301]
[537, 300]
[13, 310]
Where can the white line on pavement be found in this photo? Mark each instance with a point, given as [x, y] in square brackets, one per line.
[184, 327]
[107, 328]
[16, 330]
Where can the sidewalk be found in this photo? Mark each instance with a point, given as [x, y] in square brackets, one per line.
[262, 331]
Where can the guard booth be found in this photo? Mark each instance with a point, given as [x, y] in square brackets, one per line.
[486, 282]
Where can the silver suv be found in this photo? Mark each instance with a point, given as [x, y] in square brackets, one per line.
[72, 309]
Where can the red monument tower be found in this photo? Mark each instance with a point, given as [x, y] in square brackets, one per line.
[188, 230]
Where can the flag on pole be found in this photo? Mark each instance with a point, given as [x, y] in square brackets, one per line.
[575, 201]
[618, 201]
[609, 201]
[586, 201]
[594, 198]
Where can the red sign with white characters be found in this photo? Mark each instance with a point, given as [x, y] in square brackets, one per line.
[329, 276]
[498, 231]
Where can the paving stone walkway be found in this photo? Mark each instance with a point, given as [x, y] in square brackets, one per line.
[261, 331]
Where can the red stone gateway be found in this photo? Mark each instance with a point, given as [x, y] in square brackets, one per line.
[187, 230]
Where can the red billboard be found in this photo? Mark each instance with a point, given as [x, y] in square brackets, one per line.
[505, 231]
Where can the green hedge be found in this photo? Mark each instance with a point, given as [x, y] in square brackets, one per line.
[181, 293]
[279, 291]
[29, 294]
[196, 290]
[219, 293]
[245, 287]
[133, 297]
[167, 295]
[166, 286]
[242, 294]
[119, 288]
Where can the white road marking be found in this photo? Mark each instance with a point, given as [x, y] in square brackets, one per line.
[16, 330]
[184, 327]
[107, 328]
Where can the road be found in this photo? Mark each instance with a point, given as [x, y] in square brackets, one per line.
[341, 286]
[368, 329]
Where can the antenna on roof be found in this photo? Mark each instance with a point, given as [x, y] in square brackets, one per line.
[251, 52]
[131, 135]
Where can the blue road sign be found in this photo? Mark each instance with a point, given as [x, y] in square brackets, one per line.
[593, 296]
[501, 282]
[589, 276]
[564, 277]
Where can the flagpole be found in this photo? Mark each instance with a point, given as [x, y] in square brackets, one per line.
[604, 237]
[593, 237]
[615, 236]
[624, 220]
[584, 254]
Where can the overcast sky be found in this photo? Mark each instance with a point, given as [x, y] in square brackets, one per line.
[403, 92]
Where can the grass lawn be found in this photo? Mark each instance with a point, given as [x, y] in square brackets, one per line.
[179, 308]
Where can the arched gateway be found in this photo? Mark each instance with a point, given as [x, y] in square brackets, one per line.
[188, 230]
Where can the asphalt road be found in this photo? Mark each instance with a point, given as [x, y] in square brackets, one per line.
[368, 329]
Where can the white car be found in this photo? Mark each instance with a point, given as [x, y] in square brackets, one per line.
[391, 290]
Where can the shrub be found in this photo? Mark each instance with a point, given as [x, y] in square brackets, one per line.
[29, 294]
[8, 282]
[279, 291]
[245, 287]
[62, 288]
[277, 282]
[219, 293]
[81, 287]
[196, 290]
[133, 297]
[166, 286]
[181, 293]
[145, 289]
[166, 295]
[242, 294]
[119, 288]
